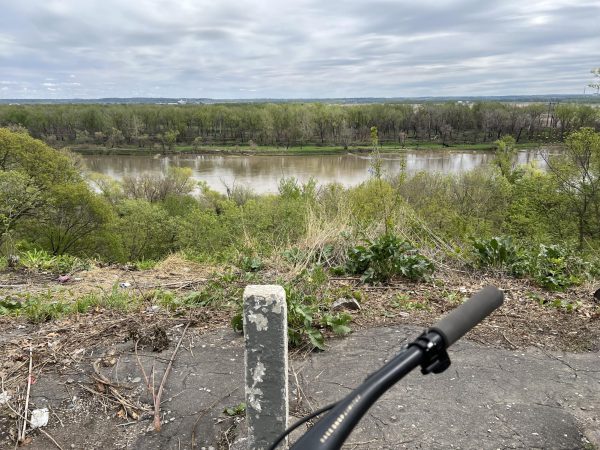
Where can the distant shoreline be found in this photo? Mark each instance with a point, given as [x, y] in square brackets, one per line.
[282, 151]
[290, 151]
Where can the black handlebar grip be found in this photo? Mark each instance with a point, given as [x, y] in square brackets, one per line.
[456, 324]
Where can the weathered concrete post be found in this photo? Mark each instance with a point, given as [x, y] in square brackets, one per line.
[265, 333]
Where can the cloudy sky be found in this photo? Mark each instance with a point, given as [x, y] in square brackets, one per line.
[295, 48]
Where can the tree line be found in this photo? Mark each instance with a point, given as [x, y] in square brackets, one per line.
[294, 124]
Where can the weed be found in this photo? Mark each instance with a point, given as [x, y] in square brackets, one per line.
[338, 323]
[561, 304]
[496, 252]
[44, 261]
[237, 410]
[145, 264]
[454, 298]
[403, 301]
[250, 263]
[10, 305]
[118, 298]
[388, 256]
[551, 268]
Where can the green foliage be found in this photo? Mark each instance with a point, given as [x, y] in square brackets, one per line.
[558, 303]
[42, 191]
[19, 197]
[554, 268]
[145, 229]
[72, 214]
[237, 410]
[505, 158]
[251, 263]
[177, 181]
[385, 257]
[43, 261]
[498, 251]
[338, 323]
[459, 205]
[237, 322]
[403, 301]
[303, 310]
[178, 127]
[576, 172]
[145, 264]
[43, 307]
[9, 305]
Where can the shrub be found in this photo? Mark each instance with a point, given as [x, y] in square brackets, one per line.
[42, 260]
[496, 252]
[555, 269]
[388, 256]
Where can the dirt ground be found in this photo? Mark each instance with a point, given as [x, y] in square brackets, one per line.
[71, 345]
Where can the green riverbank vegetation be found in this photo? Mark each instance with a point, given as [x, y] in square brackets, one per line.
[517, 220]
[306, 128]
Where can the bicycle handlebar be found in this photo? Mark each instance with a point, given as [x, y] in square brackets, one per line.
[428, 351]
[457, 323]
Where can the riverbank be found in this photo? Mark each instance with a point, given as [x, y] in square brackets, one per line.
[284, 151]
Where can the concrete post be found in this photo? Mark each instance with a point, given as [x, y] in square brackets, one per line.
[265, 333]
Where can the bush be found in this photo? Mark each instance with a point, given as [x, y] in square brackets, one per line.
[145, 229]
[496, 252]
[302, 321]
[555, 269]
[386, 257]
[42, 260]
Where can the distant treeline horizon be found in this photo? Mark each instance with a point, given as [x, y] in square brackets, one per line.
[510, 98]
[289, 124]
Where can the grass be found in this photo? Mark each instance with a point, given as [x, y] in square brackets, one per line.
[47, 306]
[292, 150]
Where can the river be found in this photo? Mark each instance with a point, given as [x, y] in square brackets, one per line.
[262, 173]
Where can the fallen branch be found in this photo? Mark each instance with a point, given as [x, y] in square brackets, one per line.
[164, 379]
[22, 437]
[128, 407]
[45, 433]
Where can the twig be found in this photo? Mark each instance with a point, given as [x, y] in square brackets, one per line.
[45, 433]
[126, 424]
[508, 340]
[146, 380]
[127, 406]
[27, 394]
[212, 405]
[164, 379]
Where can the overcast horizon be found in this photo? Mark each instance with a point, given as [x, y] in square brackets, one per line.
[305, 49]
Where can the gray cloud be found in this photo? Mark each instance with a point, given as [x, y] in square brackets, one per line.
[304, 48]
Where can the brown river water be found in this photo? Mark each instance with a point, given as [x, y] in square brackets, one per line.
[262, 173]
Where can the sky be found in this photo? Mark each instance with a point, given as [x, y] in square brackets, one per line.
[296, 48]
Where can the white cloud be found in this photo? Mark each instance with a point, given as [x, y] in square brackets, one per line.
[304, 48]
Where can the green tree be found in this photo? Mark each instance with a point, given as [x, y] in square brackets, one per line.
[577, 174]
[19, 198]
[43, 164]
[145, 229]
[71, 214]
[505, 158]
[169, 139]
